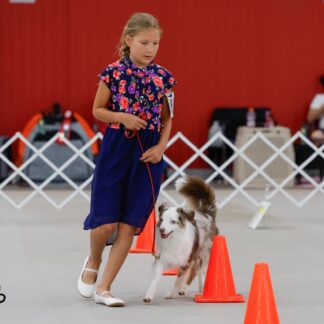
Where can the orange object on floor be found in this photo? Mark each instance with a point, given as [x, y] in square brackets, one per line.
[170, 272]
[261, 306]
[219, 284]
[145, 239]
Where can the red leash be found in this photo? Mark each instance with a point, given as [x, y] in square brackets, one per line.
[130, 134]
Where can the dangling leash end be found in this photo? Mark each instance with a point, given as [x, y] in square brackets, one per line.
[156, 256]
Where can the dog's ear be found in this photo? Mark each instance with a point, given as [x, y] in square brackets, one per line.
[182, 217]
[186, 215]
[163, 207]
[190, 214]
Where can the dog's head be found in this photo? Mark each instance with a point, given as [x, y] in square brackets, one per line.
[172, 219]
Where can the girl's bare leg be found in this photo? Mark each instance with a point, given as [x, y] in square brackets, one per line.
[117, 256]
[98, 239]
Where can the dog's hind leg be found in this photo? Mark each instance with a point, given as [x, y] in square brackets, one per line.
[155, 278]
[192, 274]
[202, 269]
[200, 279]
[178, 287]
[189, 276]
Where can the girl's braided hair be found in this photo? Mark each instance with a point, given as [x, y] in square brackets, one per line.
[137, 23]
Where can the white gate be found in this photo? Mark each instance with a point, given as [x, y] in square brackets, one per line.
[179, 170]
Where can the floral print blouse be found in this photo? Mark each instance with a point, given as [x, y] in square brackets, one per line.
[137, 91]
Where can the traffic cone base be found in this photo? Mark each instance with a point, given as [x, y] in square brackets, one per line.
[219, 283]
[170, 272]
[137, 250]
[230, 299]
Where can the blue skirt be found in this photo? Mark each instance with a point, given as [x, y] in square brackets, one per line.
[121, 189]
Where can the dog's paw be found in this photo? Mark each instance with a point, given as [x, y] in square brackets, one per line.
[147, 300]
[169, 296]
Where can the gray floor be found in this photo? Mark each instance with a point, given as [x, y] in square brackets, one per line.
[42, 251]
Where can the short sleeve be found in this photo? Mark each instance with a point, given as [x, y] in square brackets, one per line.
[107, 75]
[169, 81]
[317, 102]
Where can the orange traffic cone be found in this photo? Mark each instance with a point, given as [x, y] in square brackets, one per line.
[145, 239]
[261, 307]
[219, 284]
[170, 272]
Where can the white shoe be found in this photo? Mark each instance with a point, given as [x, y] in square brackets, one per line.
[85, 289]
[106, 298]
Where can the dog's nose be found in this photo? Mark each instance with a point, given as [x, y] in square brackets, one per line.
[162, 230]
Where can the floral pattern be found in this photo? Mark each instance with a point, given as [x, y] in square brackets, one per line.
[138, 91]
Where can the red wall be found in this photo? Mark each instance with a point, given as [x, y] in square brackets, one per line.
[222, 52]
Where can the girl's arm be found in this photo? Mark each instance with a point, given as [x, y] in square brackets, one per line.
[100, 111]
[167, 125]
[155, 153]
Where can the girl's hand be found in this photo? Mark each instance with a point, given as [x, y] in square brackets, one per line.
[133, 122]
[153, 154]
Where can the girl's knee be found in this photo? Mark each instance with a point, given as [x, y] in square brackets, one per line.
[107, 228]
[126, 229]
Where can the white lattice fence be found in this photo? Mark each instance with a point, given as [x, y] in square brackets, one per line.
[179, 170]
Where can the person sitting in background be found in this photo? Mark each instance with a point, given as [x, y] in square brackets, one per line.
[316, 113]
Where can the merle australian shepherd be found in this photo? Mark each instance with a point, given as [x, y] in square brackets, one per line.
[185, 237]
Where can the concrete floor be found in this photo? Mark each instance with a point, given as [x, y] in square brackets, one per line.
[42, 251]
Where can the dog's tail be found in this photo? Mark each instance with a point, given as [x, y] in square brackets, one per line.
[199, 194]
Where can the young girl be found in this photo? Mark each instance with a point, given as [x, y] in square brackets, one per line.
[139, 124]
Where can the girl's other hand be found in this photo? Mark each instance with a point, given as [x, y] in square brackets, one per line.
[133, 122]
[153, 154]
